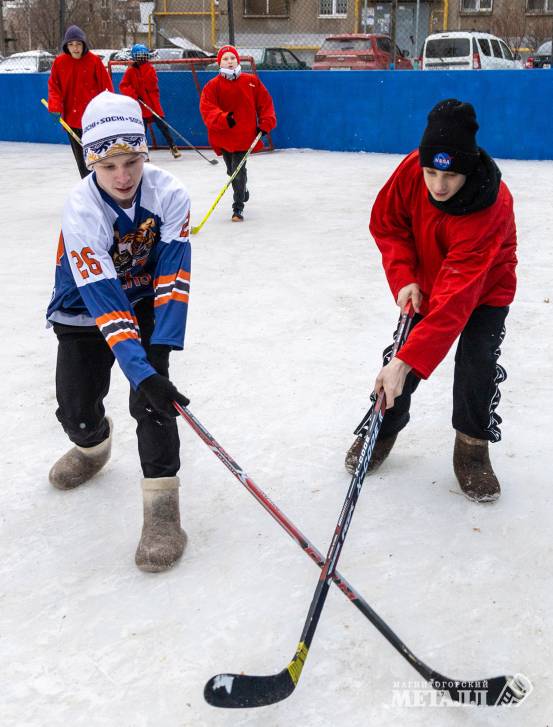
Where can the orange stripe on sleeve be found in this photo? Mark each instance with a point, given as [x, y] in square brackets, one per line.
[116, 315]
[123, 336]
[164, 279]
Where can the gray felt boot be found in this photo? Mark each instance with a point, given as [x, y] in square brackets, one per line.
[163, 540]
[79, 464]
[471, 462]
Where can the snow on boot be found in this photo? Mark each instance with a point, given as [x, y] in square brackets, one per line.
[79, 464]
[175, 152]
[163, 540]
[381, 450]
[473, 469]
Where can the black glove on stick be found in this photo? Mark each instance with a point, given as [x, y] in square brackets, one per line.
[160, 394]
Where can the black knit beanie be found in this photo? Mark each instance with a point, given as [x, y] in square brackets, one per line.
[449, 140]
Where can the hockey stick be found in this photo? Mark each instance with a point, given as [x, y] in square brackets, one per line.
[65, 125]
[467, 692]
[482, 692]
[196, 229]
[177, 133]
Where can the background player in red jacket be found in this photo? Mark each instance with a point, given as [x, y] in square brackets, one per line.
[235, 107]
[77, 76]
[140, 82]
[445, 226]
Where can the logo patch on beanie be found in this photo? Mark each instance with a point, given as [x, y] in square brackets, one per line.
[442, 160]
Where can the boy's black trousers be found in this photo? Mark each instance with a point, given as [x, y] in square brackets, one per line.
[162, 126]
[476, 378]
[77, 150]
[82, 381]
[239, 183]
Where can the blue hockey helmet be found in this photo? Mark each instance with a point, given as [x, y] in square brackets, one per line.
[139, 52]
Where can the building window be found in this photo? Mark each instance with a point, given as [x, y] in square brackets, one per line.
[477, 6]
[539, 6]
[333, 8]
[266, 8]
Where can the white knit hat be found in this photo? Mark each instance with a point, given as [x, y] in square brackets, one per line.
[112, 125]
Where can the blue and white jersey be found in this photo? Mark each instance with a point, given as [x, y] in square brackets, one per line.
[109, 258]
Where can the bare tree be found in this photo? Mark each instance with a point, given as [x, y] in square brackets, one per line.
[108, 23]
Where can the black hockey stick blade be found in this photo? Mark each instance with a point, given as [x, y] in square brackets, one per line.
[240, 690]
[495, 692]
[236, 691]
[213, 161]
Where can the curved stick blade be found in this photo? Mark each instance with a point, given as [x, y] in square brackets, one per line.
[237, 691]
[494, 692]
[214, 161]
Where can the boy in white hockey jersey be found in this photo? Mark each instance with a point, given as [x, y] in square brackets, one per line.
[121, 292]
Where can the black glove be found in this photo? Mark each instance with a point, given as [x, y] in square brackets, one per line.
[158, 356]
[231, 121]
[160, 394]
[259, 130]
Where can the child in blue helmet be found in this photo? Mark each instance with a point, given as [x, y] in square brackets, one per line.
[140, 82]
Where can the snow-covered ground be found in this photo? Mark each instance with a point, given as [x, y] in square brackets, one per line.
[289, 312]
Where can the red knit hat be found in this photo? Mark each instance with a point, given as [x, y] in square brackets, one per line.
[227, 49]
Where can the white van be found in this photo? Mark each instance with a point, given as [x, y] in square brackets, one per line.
[467, 51]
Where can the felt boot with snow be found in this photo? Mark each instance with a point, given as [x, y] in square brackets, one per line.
[79, 464]
[381, 450]
[473, 469]
[163, 540]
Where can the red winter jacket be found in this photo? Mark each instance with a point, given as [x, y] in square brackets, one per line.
[140, 82]
[459, 262]
[73, 83]
[251, 104]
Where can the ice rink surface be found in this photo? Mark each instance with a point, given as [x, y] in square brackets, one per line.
[288, 315]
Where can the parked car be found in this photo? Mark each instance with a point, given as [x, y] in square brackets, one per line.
[31, 61]
[467, 51]
[106, 54]
[359, 51]
[541, 58]
[268, 59]
[166, 54]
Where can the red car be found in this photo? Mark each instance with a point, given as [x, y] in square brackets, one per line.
[359, 51]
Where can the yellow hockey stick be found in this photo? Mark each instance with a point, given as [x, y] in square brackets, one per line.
[65, 125]
[196, 229]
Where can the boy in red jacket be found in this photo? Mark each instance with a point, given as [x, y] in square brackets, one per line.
[235, 107]
[140, 83]
[77, 77]
[445, 227]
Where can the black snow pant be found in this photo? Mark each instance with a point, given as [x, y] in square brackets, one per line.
[162, 126]
[476, 378]
[82, 382]
[78, 152]
[239, 183]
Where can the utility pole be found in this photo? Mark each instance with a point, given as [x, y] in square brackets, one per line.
[393, 34]
[230, 22]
